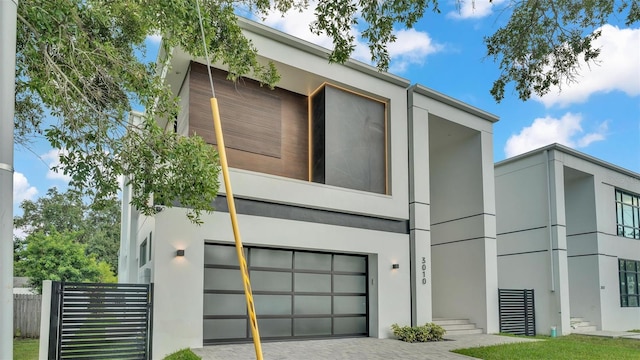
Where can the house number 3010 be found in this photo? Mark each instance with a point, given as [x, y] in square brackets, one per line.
[424, 270]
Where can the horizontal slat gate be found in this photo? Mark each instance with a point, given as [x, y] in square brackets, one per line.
[517, 311]
[104, 321]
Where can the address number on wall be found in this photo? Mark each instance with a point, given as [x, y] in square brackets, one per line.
[424, 270]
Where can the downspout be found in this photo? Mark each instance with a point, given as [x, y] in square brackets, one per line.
[552, 268]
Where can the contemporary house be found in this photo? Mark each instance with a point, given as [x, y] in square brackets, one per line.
[568, 227]
[363, 201]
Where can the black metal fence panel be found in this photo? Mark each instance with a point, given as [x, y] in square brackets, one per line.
[517, 311]
[100, 321]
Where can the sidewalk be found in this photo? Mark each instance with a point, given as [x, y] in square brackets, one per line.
[612, 334]
[355, 349]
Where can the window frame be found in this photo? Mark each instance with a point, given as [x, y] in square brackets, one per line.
[624, 272]
[142, 257]
[622, 223]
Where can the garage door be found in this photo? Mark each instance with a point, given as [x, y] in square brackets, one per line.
[297, 294]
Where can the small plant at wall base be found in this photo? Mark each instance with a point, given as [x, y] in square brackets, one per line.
[424, 333]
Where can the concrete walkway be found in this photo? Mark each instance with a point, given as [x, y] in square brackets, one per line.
[355, 349]
[612, 334]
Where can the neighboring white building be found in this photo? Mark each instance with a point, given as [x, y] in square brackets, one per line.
[568, 226]
[339, 173]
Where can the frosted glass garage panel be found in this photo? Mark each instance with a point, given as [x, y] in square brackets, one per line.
[312, 282]
[349, 283]
[312, 261]
[270, 280]
[308, 305]
[274, 327]
[350, 325]
[224, 328]
[221, 255]
[272, 304]
[222, 279]
[349, 263]
[224, 304]
[350, 304]
[271, 258]
[312, 327]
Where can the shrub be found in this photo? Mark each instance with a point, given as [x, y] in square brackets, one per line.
[424, 333]
[184, 354]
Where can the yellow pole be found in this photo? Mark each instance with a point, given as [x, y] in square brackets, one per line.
[236, 231]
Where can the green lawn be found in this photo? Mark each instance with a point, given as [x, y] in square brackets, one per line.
[561, 348]
[25, 349]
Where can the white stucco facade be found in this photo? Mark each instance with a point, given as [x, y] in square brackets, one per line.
[557, 234]
[436, 221]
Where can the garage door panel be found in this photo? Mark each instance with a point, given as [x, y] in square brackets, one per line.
[350, 284]
[312, 327]
[271, 258]
[312, 282]
[225, 329]
[296, 294]
[224, 304]
[270, 280]
[312, 261]
[223, 279]
[274, 327]
[350, 325]
[272, 304]
[312, 305]
[350, 305]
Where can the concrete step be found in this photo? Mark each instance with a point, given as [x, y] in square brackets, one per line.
[580, 324]
[576, 319]
[445, 321]
[463, 332]
[459, 327]
[580, 329]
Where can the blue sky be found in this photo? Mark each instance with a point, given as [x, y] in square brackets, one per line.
[599, 115]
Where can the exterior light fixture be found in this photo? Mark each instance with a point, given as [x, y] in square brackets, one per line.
[395, 266]
[180, 252]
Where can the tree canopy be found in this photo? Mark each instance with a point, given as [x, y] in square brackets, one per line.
[77, 60]
[97, 229]
[57, 256]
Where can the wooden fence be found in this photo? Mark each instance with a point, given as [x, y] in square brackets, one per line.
[26, 315]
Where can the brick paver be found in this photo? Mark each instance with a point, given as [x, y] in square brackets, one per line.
[355, 349]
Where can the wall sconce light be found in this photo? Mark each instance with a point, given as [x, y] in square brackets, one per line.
[395, 266]
[180, 252]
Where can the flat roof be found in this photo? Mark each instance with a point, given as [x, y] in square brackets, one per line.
[572, 152]
[438, 96]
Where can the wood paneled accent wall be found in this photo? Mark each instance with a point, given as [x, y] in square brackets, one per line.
[264, 130]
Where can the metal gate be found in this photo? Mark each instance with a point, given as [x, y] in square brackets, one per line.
[517, 311]
[100, 321]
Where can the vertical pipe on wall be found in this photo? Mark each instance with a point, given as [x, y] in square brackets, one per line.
[552, 268]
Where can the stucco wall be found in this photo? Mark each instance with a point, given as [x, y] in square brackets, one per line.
[178, 306]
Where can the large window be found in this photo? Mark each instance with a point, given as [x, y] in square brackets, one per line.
[348, 147]
[629, 271]
[628, 214]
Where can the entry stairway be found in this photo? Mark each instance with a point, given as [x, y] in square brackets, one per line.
[457, 326]
[579, 325]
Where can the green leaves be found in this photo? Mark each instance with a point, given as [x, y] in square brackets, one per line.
[56, 256]
[543, 42]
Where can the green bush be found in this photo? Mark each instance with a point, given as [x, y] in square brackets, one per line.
[424, 333]
[184, 354]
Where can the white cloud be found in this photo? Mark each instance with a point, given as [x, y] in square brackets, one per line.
[411, 47]
[22, 190]
[548, 130]
[618, 69]
[474, 9]
[53, 159]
